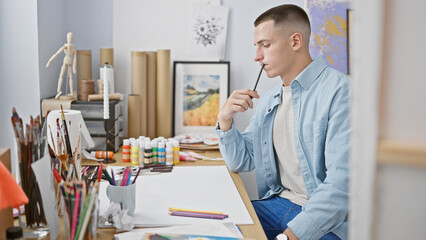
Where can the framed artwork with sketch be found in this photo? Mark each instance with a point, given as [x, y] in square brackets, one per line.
[200, 90]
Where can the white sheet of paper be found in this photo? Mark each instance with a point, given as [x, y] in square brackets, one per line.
[216, 229]
[43, 173]
[208, 188]
[207, 31]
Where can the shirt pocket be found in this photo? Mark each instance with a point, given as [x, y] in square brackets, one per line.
[314, 140]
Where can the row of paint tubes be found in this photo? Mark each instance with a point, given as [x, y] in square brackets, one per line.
[144, 151]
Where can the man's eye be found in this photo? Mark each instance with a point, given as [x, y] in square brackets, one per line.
[266, 45]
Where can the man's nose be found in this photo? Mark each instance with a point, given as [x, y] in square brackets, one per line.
[258, 56]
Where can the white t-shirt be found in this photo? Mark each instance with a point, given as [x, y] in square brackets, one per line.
[288, 163]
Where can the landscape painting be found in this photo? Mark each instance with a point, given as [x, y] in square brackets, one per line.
[201, 100]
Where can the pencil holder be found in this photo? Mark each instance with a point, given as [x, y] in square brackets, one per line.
[124, 195]
[85, 225]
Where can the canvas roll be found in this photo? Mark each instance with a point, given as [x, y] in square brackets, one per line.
[106, 55]
[140, 87]
[74, 120]
[100, 97]
[152, 92]
[164, 106]
[84, 65]
[134, 116]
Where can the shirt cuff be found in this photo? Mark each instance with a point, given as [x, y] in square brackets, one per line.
[225, 137]
[304, 228]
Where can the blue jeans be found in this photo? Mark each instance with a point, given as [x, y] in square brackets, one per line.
[274, 214]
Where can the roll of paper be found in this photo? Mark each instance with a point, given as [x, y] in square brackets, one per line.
[134, 113]
[164, 106]
[73, 119]
[139, 87]
[84, 65]
[106, 55]
[106, 91]
[110, 75]
[152, 92]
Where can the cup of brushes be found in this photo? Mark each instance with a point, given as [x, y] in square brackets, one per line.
[122, 191]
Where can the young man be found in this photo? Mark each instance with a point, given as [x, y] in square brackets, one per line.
[298, 138]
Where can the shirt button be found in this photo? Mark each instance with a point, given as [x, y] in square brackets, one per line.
[269, 110]
[264, 142]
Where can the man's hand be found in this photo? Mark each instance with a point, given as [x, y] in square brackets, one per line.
[239, 101]
[290, 234]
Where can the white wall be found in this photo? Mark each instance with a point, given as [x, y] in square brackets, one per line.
[51, 36]
[388, 201]
[19, 81]
[151, 25]
[91, 24]
[400, 195]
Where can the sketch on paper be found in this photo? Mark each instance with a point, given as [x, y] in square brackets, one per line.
[207, 31]
[201, 100]
[329, 32]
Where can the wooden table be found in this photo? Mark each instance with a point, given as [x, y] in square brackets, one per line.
[254, 231]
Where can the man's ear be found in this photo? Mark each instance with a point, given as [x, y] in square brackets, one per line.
[296, 41]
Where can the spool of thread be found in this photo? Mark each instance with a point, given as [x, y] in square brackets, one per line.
[176, 149]
[85, 88]
[102, 154]
[126, 150]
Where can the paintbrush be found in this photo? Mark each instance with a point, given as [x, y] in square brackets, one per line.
[67, 138]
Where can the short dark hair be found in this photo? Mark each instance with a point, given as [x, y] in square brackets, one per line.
[285, 14]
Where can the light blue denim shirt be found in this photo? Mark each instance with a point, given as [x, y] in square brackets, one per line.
[321, 105]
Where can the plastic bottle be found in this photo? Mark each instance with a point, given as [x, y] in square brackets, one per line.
[161, 152]
[141, 151]
[176, 149]
[169, 153]
[134, 151]
[154, 146]
[126, 150]
[148, 153]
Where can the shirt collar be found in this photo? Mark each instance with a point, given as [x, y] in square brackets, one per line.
[306, 77]
[311, 72]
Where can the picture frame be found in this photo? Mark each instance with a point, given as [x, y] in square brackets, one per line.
[200, 89]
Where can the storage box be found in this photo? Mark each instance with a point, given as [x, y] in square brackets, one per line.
[92, 112]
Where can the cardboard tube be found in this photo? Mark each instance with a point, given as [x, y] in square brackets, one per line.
[164, 107]
[106, 55]
[100, 97]
[139, 86]
[134, 120]
[84, 65]
[152, 88]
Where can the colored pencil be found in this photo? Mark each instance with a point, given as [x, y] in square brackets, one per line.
[113, 178]
[128, 178]
[172, 209]
[197, 215]
[137, 174]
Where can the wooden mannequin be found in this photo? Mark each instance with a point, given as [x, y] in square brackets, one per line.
[69, 50]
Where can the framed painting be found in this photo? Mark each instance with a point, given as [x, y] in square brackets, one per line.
[329, 24]
[200, 90]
